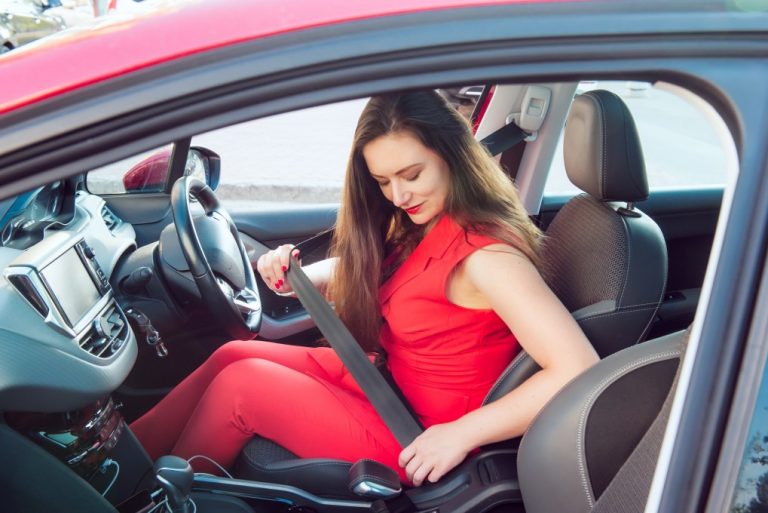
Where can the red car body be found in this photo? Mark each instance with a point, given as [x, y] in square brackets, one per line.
[103, 50]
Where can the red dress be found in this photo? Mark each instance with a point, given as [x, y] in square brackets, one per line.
[444, 357]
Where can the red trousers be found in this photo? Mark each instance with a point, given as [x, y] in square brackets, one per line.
[302, 398]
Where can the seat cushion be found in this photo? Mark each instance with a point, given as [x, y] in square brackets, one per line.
[264, 460]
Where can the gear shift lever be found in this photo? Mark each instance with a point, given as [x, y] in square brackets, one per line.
[175, 476]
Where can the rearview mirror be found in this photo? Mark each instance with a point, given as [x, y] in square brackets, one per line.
[203, 164]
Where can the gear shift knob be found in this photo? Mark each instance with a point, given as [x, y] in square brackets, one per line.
[175, 476]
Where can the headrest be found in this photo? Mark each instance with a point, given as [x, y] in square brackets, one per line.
[602, 150]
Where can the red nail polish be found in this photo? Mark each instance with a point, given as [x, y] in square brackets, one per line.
[285, 268]
[277, 285]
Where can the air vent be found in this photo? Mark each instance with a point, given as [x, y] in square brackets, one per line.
[30, 293]
[107, 333]
[110, 219]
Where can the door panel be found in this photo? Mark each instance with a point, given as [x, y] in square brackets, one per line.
[687, 218]
[286, 223]
[263, 230]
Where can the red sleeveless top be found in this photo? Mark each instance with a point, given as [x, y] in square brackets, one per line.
[444, 357]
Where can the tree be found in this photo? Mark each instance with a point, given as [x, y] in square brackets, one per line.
[759, 504]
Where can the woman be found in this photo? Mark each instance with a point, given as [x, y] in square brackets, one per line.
[434, 266]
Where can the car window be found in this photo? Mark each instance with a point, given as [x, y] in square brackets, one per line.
[751, 493]
[666, 123]
[296, 157]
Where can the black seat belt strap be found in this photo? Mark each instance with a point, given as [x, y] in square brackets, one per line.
[504, 138]
[384, 400]
[309, 245]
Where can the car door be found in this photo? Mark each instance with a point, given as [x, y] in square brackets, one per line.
[704, 50]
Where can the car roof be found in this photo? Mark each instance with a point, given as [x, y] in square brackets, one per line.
[119, 44]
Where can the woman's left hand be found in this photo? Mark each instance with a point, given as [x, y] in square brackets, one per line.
[434, 452]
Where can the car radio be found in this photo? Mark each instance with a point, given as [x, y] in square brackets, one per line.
[65, 289]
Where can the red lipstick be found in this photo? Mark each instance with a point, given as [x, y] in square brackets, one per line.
[413, 210]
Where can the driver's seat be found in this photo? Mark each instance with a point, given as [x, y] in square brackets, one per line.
[591, 234]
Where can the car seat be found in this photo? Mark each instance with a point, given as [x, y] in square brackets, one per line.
[594, 447]
[602, 256]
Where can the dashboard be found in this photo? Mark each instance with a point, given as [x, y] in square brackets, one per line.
[64, 341]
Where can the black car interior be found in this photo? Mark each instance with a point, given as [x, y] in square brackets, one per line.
[606, 259]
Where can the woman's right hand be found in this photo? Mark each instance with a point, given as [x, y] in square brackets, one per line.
[272, 266]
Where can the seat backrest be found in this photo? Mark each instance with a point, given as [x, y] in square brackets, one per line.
[605, 259]
[607, 423]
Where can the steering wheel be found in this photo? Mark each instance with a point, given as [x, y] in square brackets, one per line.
[217, 259]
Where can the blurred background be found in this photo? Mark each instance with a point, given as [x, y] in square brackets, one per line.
[25, 21]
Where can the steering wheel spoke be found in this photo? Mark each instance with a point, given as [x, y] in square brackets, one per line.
[247, 301]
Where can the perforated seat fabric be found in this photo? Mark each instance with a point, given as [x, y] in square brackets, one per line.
[609, 269]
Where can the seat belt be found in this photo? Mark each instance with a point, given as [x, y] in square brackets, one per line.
[504, 138]
[385, 401]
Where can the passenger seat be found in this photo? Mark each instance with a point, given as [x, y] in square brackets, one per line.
[602, 256]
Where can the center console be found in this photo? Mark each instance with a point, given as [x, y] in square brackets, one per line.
[95, 443]
[81, 439]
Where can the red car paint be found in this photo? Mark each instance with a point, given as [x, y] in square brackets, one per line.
[150, 173]
[115, 45]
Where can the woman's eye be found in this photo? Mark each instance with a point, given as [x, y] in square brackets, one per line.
[414, 177]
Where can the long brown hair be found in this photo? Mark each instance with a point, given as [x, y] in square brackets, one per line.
[369, 228]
